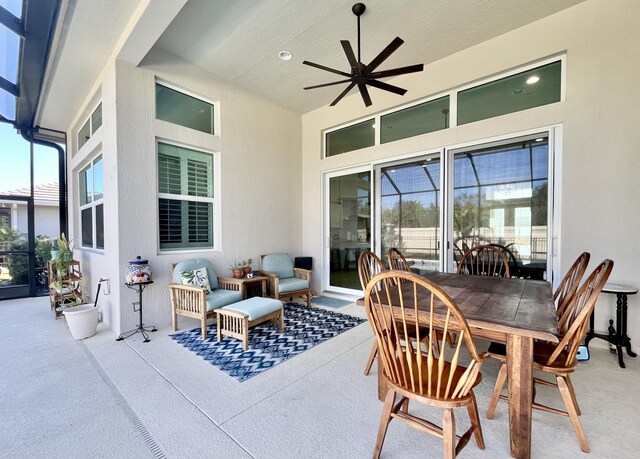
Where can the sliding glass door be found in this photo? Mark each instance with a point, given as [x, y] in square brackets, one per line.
[410, 212]
[500, 197]
[349, 227]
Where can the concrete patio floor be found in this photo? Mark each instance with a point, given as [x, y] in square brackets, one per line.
[62, 398]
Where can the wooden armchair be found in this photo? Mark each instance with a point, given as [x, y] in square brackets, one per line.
[194, 301]
[285, 281]
[412, 374]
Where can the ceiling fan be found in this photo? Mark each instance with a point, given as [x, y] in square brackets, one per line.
[363, 75]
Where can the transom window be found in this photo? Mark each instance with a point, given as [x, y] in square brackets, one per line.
[177, 107]
[90, 126]
[185, 198]
[92, 205]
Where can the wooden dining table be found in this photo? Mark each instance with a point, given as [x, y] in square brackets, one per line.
[513, 311]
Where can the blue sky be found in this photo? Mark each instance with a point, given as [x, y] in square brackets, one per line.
[14, 161]
[14, 150]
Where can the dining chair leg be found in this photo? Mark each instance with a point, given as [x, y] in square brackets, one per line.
[500, 380]
[449, 433]
[372, 356]
[384, 422]
[405, 405]
[573, 395]
[573, 415]
[472, 408]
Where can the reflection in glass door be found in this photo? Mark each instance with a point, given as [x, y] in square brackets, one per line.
[349, 227]
[500, 197]
[410, 211]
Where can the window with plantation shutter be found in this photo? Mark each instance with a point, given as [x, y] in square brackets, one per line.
[185, 198]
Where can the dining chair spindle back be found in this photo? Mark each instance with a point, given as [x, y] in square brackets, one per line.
[484, 260]
[569, 284]
[414, 372]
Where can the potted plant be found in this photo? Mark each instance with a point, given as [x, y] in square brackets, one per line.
[236, 270]
[82, 319]
[246, 267]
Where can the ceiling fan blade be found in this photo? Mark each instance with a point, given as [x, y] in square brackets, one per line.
[342, 94]
[327, 84]
[364, 92]
[380, 58]
[348, 50]
[386, 87]
[398, 71]
[328, 69]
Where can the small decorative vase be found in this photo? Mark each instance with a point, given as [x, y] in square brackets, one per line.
[138, 271]
[237, 273]
[246, 270]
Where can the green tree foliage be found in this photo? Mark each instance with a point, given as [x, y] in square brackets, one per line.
[465, 215]
[19, 264]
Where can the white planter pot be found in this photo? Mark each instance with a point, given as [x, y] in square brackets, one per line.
[82, 320]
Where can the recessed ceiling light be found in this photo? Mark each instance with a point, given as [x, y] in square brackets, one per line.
[285, 55]
[533, 79]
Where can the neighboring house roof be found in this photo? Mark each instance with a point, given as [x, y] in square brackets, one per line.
[46, 194]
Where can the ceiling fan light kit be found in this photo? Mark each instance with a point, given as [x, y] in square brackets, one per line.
[362, 75]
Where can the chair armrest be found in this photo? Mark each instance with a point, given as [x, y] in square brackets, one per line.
[191, 288]
[482, 356]
[268, 274]
[273, 283]
[231, 283]
[301, 273]
[187, 298]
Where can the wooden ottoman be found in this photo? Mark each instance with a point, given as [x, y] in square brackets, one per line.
[234, 320]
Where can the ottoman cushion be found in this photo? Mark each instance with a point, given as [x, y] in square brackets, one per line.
[256, 307]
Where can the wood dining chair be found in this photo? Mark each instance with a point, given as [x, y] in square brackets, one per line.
[484, 260]
[412, 373]
[369, 265]
[570, 283]
[559, 359]
[397, 261]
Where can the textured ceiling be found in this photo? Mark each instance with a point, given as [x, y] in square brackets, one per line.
[239, 40]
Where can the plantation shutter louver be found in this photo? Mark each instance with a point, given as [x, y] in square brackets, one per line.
[185, 219]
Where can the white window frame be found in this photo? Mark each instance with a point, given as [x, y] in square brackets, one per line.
[215, 125]
[215, 200]
[453, 100]
[89, 120]
[92, 204]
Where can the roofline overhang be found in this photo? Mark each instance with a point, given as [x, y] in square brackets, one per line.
[39, 23]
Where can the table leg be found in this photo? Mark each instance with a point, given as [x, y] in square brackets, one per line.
[626, 342]
[520, 368]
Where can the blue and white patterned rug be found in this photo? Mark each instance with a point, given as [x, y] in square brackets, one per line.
[304, 328]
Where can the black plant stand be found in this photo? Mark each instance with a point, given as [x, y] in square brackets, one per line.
[140, 328]
[619, 337]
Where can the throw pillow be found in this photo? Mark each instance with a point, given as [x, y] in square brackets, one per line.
[197, 278]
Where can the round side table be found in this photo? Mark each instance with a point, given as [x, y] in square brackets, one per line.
[618, 337]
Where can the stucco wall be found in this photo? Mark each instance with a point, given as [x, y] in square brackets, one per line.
[260, 179]
[599, 147]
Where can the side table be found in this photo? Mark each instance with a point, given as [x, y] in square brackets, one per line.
[247, 283]
[617, 337]
[140, 328]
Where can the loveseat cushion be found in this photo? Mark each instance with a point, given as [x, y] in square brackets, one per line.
[190, 265]
[278, 263]
[293, 284]
[221, 297]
